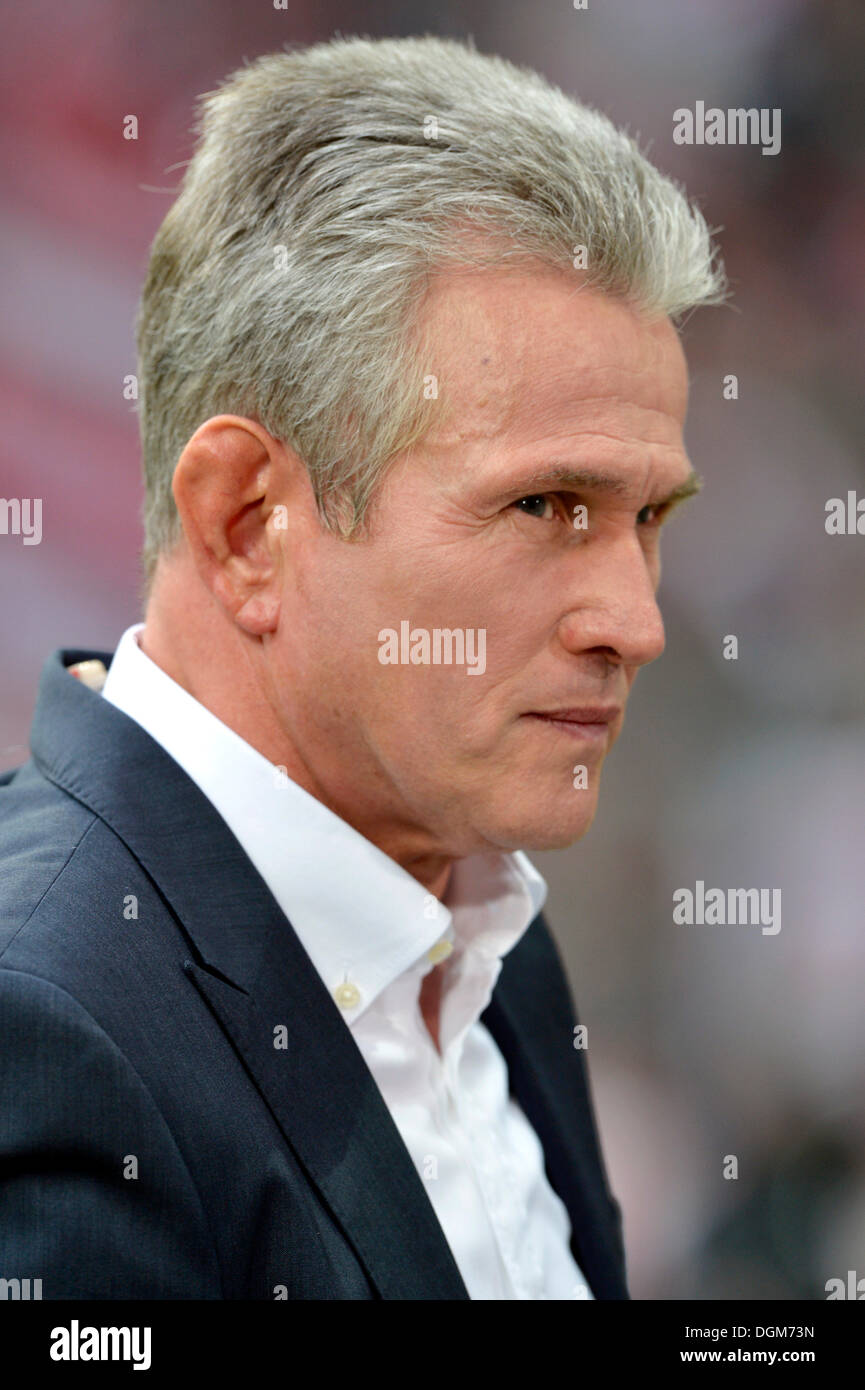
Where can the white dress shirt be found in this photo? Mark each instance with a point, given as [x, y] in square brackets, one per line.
[373, 932]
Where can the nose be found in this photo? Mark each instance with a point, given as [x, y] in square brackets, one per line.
[614, 609]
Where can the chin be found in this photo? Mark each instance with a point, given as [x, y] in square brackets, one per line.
[549, 828]
[552, 840]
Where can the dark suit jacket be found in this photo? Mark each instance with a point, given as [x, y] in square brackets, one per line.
[154, 1143]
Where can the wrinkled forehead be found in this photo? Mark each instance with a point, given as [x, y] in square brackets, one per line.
[528, 354]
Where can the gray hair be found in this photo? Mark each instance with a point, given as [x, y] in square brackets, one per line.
[286, 282]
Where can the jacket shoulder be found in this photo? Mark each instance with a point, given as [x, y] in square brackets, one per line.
[41, 827]
[65, 881]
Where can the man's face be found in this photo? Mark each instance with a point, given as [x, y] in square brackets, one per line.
[474, 529]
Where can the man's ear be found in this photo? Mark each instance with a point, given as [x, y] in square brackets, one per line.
[229, 480]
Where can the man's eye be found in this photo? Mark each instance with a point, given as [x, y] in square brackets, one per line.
[650, 515]
[536, 505]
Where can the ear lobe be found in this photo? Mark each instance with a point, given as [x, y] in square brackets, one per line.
[260, 613]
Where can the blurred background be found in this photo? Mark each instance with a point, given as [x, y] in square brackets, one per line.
[704, 1042]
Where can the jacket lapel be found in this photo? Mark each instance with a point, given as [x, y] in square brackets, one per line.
[531, 1018]
[250, 967]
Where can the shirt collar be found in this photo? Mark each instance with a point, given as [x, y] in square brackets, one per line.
[361, 918]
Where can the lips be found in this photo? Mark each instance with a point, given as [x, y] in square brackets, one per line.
[587, 722]
[583, 714]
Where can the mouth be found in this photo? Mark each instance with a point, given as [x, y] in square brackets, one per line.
[588, 724]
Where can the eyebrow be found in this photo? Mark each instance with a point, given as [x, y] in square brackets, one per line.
[563, 476]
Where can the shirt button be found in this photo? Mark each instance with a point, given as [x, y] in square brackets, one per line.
[347, 995]
[440, 951]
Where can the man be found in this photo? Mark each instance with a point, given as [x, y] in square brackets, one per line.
[280, 1016]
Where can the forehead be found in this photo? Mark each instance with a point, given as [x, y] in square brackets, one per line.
[532, 355]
